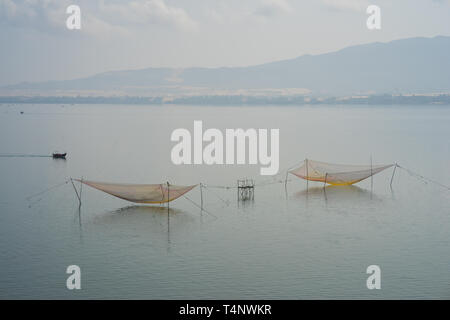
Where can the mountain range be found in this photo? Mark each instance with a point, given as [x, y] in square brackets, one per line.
[413, 65]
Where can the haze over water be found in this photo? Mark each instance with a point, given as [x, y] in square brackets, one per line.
[293, 245]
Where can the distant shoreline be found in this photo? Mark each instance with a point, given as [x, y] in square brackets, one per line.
[224, 100]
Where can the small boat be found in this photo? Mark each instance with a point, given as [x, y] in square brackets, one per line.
[59, 155]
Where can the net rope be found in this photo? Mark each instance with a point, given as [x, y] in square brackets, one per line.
[423, 178]
[217, 196]
[198, 206]
[47, 190]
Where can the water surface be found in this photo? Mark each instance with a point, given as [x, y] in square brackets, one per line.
[294, 244]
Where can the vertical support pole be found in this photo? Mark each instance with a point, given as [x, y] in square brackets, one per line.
[168, 198]
[253, 190]
[307, 174]
[324, 186]
[201, 196]
[285, 184]
[81, 188]
[238, 191]
[285, 181]
[371, 173]
[76, 192]
[168, 209]
[393, 172]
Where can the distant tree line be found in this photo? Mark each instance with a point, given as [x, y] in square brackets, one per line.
[385, 99]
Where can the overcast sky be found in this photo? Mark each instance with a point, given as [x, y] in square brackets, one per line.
[119, 34]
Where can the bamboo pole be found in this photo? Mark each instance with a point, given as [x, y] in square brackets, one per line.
[393, 172]
[168, 209]
[285, 181]
[81, 188]
[168, 198]
[201, 196]
[238, 190]
[307, 174]
[371, 173]
[76, 192]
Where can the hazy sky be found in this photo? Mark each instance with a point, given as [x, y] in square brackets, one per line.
[119, 34]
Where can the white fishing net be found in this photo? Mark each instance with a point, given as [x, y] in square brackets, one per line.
[336, 174]
[141, 193]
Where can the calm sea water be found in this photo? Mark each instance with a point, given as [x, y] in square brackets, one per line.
[293, 245]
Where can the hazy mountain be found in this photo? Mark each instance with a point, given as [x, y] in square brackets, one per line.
[408, 65]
